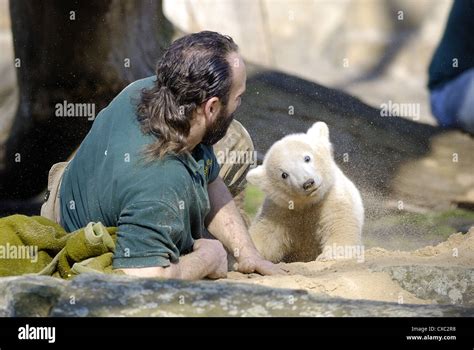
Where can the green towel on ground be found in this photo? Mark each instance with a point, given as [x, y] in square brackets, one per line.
[40, 246]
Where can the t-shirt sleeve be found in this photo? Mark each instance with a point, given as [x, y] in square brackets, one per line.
[146, 235]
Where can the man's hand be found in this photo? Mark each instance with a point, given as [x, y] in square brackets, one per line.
[226, 224]
[253, 262]
[213, 254]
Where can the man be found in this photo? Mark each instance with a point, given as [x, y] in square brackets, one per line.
[451, 72]
[147, 166]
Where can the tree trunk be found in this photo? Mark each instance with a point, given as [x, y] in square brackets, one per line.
[78, 52]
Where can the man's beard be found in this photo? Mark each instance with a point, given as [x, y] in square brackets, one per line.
[218, 129]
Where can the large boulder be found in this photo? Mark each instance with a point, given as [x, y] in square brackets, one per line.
[111, 295]
[445, 285]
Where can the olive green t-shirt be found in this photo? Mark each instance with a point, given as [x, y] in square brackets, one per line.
[159, 207]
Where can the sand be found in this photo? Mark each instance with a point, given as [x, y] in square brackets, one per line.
[361, 280]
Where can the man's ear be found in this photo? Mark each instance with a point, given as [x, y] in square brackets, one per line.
[319, 131]
[257, 176]
[211, 108]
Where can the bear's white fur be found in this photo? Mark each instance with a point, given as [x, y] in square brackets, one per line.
[297, 223]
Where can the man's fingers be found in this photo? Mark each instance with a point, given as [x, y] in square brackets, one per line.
[244, 268]
[263, 267]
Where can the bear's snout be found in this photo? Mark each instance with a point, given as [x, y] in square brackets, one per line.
[308, 184]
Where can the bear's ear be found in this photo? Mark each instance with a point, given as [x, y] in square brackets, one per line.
[257, 176]
[319, 131]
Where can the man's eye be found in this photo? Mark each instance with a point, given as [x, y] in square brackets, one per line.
[284, 175]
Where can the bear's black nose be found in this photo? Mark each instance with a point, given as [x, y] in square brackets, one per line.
[308, 184]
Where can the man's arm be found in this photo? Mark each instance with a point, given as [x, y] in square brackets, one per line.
[208, 259]
[226, 224]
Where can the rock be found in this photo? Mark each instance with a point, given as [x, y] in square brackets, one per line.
[110, 295]
[29, 296]
[453, 285]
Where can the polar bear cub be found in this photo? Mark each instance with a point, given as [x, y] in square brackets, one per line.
[311, 209]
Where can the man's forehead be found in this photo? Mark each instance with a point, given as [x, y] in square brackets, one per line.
[235, 60]
[242, 88]
[238, 71]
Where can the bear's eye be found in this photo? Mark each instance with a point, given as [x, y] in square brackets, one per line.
[307, 159]
[284, 175]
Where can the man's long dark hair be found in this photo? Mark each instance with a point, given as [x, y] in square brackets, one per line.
[192, 70]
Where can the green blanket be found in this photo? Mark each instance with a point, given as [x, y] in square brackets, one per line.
[36, 245]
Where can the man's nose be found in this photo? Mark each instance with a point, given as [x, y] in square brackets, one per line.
[308, 184]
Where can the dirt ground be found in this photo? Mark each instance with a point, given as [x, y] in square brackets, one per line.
[367, 280]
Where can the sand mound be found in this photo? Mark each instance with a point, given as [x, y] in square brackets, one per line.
[374, 277]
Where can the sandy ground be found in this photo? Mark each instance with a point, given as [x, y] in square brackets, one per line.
[358, 280]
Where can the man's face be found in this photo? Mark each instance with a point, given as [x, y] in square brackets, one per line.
[221, 123]
[218, 128]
